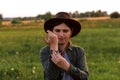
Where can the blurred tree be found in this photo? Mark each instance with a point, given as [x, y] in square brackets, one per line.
[1, 18]
[104, 13]
[76, 14]
[82, 15]
[87, 14]
[92, 13]
[115, 15]
[98, 13]
[16, 21]
[39, 16]
[47, 16]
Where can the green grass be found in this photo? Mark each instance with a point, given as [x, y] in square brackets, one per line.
[110, 23]
[19, 52]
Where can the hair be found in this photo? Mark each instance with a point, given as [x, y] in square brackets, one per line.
[58, 23]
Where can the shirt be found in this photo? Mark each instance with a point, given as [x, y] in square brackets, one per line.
[78, 66]
[66, 76]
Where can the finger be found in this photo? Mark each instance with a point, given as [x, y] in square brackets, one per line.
[50, 33]
[45, 39]
[54, 57]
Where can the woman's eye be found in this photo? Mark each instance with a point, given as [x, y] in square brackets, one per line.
[57, 30]
[65, 31]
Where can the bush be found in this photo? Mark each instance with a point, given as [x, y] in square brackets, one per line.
[0, 21]
[115, 15]
[16, 21]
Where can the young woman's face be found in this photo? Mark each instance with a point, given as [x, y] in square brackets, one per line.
[63, 32]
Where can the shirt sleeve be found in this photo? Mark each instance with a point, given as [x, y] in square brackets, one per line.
[79, 72]
[51, 71]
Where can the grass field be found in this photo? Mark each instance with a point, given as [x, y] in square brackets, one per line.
[19, 50]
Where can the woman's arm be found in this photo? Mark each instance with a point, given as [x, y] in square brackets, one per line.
[51, 71]
[80, 70]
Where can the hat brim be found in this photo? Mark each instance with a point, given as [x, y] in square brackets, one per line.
[76, 26]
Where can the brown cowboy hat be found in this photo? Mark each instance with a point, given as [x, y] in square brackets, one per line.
[63, 17]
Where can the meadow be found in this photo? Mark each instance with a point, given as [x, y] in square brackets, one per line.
[20, 45]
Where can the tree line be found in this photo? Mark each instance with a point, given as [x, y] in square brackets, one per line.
[75, 14]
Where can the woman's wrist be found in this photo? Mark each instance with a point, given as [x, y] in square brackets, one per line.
[67, 67]
[54, 47]
[57, 51]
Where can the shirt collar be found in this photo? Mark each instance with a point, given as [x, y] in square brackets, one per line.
[69, 47]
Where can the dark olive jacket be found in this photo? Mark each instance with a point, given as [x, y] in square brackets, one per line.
[78, 67]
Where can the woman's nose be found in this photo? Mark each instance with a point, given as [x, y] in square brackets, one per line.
[61, 33]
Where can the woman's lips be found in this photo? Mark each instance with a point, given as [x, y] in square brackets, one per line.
[61, 38]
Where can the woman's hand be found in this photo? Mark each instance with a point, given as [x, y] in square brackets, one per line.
[52, 40]
[60, 61]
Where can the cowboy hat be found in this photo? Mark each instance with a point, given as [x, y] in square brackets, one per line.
[63, 17]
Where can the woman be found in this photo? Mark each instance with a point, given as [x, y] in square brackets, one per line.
[60, 59]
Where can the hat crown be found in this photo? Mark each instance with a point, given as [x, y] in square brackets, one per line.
[62, 15]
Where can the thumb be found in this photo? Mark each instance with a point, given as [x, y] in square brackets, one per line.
[45, 39]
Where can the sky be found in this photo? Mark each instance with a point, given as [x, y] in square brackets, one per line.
[27, 8]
